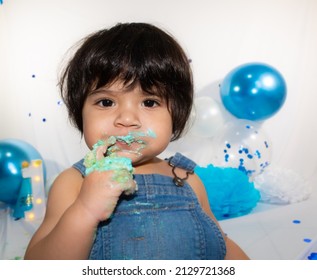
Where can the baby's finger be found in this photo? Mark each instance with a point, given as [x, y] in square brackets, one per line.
[103, 146]
[100, 152]
[124, 180]
[132, 188]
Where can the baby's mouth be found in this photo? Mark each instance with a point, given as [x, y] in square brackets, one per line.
[133, 142]
[128, 144]
[123, 147]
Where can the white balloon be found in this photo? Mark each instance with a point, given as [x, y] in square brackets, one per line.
[207, 117]
[243, 145]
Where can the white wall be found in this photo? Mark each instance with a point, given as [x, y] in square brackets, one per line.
[217, 35]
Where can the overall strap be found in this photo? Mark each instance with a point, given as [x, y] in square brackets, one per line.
[79, 165]
[178, 160]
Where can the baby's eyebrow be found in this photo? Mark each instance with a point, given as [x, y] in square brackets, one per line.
[102, 91]
[105, 90]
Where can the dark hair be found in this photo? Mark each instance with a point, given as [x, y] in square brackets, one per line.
[137, 54]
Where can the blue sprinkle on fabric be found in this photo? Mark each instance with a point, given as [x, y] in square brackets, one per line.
[296, 221]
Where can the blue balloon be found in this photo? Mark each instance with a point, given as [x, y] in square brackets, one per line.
[13, 153]
[253, 91]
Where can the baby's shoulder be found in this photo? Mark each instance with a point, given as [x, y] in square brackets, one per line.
[68, 181]
[70, 173]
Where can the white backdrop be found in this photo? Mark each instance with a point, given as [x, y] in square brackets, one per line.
[217, 35]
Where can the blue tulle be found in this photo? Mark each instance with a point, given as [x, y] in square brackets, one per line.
[229, 191]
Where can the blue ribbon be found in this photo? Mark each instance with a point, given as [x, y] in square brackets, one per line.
[25, 199]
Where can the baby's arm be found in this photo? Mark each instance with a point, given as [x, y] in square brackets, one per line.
[67, 229]
[234, 252]
[74, 209]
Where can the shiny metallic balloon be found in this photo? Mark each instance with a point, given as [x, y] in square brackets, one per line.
[13, 153]
[253, 91]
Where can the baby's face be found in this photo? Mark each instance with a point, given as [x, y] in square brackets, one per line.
[141, 122]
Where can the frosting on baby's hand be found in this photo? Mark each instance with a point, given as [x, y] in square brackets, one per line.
[103, 157]
[121, 166]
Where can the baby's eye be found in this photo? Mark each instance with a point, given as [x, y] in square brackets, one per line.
[106, 103]
[150, 103]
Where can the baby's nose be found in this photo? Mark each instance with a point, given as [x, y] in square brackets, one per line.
[128, 118]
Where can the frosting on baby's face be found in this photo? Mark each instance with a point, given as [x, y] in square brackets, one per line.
[134, 142]
[104, 157]
[104, 154]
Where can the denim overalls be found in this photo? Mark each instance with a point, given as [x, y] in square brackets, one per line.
[160, 221]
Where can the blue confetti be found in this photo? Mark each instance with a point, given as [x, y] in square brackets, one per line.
[266, 144]
[44, 119]
[296, 221]
[226, 157]
[33, 76]
[245, 171]
[258, 154]
[248, 126]
[1, 2]
[265, 164]
[250, 156]
[313, 256]
[228, 145]
[307, 240]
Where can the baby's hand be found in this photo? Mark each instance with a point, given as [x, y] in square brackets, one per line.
[100, 192]
[106, 179]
